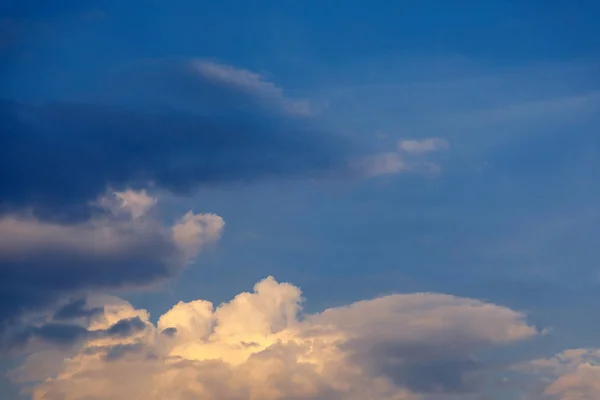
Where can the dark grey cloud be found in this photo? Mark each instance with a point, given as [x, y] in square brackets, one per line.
[126, 327]
[436, 376]
[65, 335]
[176, 124]
[428, 368]
[425, 342]
[42, 262]
[60, 155]
[76, 309]
[170, 332]
[56, 333]
[38, 279]
[119, 351]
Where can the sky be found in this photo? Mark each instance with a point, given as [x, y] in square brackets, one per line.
[299, 200]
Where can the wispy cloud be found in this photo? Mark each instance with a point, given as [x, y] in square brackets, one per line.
[391, 163]
[251, 83]
[409, 157]
[423, 146]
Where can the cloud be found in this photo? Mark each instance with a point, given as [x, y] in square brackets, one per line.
[171, 126]
[423, 146]
[80, 149]
[205, 86]
[407, 158]
[261, 346]
[570, 375]
[135, 203]
[250, 83]
[175, 126]
[64, 334]
[192, 231]
[76, 309]
[119, 246]
[390, 163]
[381, 164]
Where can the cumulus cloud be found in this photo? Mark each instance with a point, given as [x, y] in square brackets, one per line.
[192, 231]
[120, 246]
[261, 346]
[423, 146]
[136, 203]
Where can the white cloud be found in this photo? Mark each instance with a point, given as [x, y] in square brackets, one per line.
[423, 146]
[259, 346]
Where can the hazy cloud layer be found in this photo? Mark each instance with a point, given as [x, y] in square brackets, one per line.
[260, 346]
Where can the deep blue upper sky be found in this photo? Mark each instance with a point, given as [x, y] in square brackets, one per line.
[512, 86]
[56, 48]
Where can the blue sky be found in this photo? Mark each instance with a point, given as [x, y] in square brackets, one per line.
[356, 150]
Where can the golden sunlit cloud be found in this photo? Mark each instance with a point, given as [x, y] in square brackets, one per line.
[261, 346]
